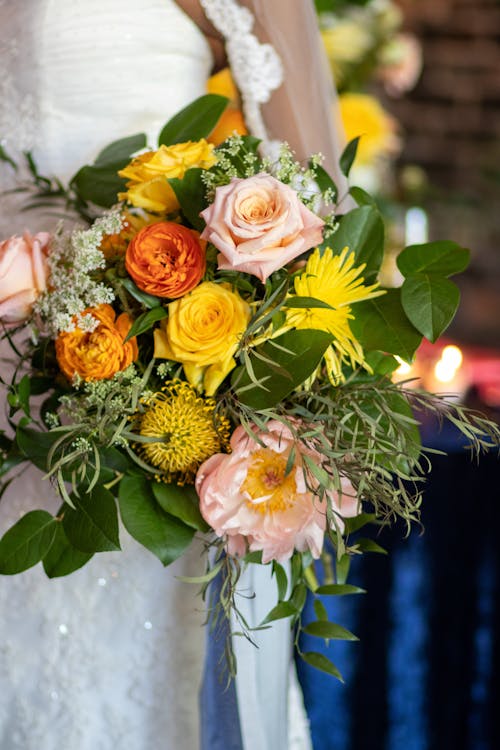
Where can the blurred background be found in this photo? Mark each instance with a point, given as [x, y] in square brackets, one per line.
[419, 81]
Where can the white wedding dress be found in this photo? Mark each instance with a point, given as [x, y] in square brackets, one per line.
[110, 657]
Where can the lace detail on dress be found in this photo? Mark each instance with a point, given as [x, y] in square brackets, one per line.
[256, 67]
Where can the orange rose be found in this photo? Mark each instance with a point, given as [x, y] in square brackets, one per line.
[166, 259]
[100, 354]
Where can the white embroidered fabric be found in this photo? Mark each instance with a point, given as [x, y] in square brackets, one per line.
[256, 68]
[112, 655]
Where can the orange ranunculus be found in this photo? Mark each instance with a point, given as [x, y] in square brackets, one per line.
[115, 245]
[100, 354]
[166, 259]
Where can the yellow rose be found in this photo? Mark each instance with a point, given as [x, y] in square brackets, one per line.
[147, 174]
[202, 331]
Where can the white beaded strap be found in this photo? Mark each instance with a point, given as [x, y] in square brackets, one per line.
[256, 67]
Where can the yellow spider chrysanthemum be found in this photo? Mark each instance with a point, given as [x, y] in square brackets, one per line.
[189, 429]
[333, 279]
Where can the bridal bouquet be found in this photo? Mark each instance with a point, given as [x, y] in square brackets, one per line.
[212, 355]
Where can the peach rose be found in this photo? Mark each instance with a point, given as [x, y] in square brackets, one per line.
[23, 275]
[259, 224]
[100, 354]
[166, 259]
[248, 497]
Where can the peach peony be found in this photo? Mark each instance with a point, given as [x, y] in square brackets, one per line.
[258, 224]
[248, 498]
[23, 274]
[100, 354]
[166, 259]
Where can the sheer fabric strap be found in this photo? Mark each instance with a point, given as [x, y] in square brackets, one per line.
[256, 67]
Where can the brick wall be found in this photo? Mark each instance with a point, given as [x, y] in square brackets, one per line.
[451, 123]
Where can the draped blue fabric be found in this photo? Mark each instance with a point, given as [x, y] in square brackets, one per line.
[220, 724]
[425, 674]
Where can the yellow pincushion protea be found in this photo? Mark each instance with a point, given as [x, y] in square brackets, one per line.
[186, 428]
[333, 279]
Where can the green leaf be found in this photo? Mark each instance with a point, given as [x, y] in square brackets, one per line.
[443, 258]
[320, 610]
[381, 363]
[181, 502]
[430, 302]
[324, 181]
[342, 569]
[357, 522]
[338, 589]
[148, 300]
[146, 321]
[26, 543]
[299, 596]
[280, 611]
[321, 662]
[368, 545]
[329, 631]
[121, 150]
[190, 192]
[381, 324]
[362, 231]
[299, 354]
[361, 197]
[348, 156]
[62, 558]
[195, 121]
[100, 185]
[36, 445]
[93, 525]
[281, 579]
[162, 534]
[296, 302]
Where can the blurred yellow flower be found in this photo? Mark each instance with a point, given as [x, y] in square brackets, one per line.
[362, 115]
[346, 42]
[147, 174]
[333, 279]
[222, 83]
[202, 331]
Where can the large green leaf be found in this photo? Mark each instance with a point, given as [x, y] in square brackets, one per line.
[165, 536]
[430, 302]
[321, 662]
[329, 630]
[297, 353]
[443, 258]
[324, 181]
[62, 558]
[121, 150]
[26, 543]
[280, 611]
[195, 121]
[93, 525]
[381, 324]
[190, 193]
[362, 231]
[100, 185]
[36, 445]
[181, 502]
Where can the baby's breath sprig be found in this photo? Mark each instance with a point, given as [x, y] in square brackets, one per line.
[75, 261]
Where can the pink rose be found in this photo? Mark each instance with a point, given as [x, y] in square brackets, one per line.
[23, 274]
[248, 498]
[259, 224]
